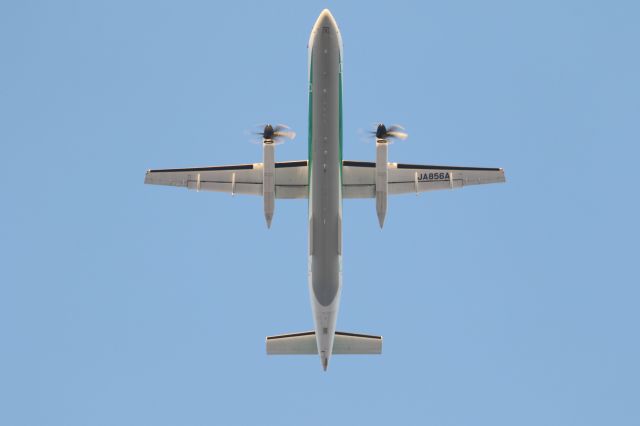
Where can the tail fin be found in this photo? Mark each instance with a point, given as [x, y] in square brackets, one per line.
[305, 344]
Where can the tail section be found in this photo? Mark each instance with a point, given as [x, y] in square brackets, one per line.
[293, 344]
[305, 344]
[352, 343]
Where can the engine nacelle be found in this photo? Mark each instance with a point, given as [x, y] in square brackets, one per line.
[271, 135]
[382, 179]
[268, 180]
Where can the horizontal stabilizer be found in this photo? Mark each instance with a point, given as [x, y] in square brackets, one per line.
[305, 344]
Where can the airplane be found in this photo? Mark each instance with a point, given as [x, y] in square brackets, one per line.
[325, 179]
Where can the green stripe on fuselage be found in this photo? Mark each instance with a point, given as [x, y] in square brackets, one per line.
[310, 124]
[340, 115]
[340, 131]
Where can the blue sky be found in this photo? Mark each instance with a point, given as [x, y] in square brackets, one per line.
[128, 304]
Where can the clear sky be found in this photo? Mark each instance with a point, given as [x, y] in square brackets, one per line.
[126, 304]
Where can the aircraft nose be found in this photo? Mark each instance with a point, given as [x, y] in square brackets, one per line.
[326, 19]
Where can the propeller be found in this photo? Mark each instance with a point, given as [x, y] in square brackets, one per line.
[276, 134]
[384, 133]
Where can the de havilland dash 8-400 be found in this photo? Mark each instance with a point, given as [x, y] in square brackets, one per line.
[325, 179]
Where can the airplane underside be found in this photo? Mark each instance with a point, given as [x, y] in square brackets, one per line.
[325, 179]
[325, 198]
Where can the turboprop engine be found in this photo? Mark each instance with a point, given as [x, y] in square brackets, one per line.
[271, 136]
[384, 136]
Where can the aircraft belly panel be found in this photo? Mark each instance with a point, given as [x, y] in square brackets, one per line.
[325, 172]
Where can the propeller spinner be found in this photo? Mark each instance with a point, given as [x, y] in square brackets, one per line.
[277, 134]
[394, 131]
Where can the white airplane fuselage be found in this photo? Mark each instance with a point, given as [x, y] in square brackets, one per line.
[325, 179]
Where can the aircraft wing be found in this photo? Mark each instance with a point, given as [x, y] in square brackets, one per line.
[246, 179]
[359, 178]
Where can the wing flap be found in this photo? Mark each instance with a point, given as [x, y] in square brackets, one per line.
[358, 191]
[228, 187]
